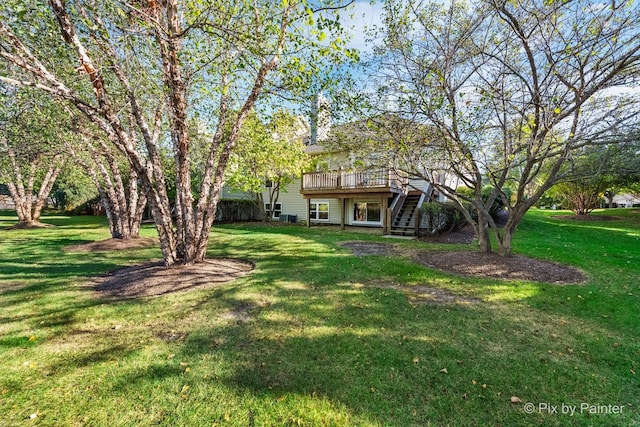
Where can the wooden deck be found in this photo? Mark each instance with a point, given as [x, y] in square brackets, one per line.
[353, 182]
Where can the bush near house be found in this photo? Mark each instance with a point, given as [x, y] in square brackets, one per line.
[440, 218]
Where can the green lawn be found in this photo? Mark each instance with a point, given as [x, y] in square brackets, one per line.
[324, 345]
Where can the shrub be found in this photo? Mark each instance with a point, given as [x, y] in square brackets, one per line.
[439, 218]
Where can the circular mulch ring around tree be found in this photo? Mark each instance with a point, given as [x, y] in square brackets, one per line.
[478, 264]
[515, 267]
[155, 279]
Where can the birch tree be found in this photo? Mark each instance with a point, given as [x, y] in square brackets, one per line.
[116, 182]
[505, 91]
[146, 66]
[31, 157]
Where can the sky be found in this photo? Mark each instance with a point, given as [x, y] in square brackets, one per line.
[363, 15]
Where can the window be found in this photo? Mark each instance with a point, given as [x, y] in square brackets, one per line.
[366, 212]
[319, 211]
[277, 210]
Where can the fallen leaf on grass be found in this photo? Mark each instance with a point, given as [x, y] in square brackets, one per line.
[444, 371]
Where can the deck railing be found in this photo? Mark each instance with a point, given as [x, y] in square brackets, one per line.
[346, 180]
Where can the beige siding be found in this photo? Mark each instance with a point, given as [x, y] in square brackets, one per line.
[334, 210]
[292, 201]
[417, 184]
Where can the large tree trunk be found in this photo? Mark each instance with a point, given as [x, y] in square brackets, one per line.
[124, 206]
[609, 196]
[482, 231]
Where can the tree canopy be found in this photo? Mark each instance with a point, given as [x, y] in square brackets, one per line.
[33, 130]
[504, 93]
[139, 71]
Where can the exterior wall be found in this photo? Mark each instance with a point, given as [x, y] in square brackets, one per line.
[292, 201]
[334, 210]
[334, 161]
[6, 202]
[417, 184]
[625, 200]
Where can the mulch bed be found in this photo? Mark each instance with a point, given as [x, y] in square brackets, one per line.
[154, 279]
[492, 265]
[479, 264]
[369, 248]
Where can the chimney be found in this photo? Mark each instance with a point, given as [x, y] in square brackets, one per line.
[320, 119]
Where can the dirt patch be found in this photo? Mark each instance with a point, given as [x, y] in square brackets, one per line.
[154, 279]
[369, 248]
[243, 313]
[587, 217]
[515, 267]
[426, 295]
[113, 245]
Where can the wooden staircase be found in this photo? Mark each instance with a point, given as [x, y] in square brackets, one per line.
[404, 222]
[406, 215]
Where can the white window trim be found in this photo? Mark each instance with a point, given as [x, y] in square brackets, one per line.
[319, 202]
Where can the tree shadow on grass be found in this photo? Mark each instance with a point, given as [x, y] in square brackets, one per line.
[369, 353]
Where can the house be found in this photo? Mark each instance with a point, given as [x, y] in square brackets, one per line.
[625, 200]
[6, 202]
[345, 189]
